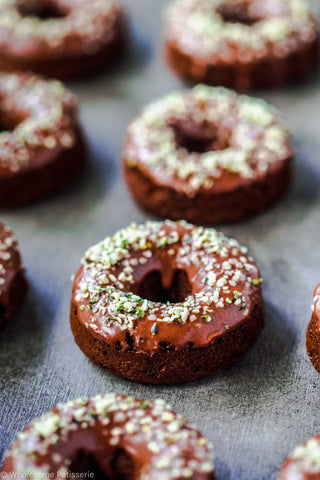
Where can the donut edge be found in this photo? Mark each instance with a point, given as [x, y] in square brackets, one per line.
[168, 367]
[78, 66]
[270, 72]
[35, 184]
[313, 342]
[17, 290]
[208, 207]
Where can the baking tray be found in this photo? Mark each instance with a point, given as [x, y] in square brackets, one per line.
[257, 410]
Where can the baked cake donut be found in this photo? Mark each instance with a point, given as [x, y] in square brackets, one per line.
[166, 302]
[110, 436]
[60, 38]
[243, 44]
[41, 144]
[207, 155]
[313, 332]
[13, 285]
[303, 463]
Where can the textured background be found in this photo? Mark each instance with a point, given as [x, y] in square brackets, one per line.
[256, 411]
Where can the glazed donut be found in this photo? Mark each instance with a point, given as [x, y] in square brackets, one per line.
[313, 332]
[13, 285]
[303, 463]
[60, 38]
[207, 155]
[110, 436]
[42, 148]
[166, 302]
[242, 44]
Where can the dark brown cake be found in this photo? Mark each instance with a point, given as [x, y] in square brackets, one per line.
[303, 463]
[110, 436]
[166, 302]
[242, 44]
[313, 332]
[60, 38]
[41, 146]
[13, 285]
[207, 155]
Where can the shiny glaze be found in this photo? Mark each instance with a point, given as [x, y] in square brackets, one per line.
[213, 319]
[83, 29]
[256, 143]
[316, 308]
[41, 121]
[278, 28]
[160, 443]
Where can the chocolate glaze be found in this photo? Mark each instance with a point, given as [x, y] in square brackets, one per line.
[199, 332]
[199, 326]
[61, 38]
[42, 147]
[115, 437]
[13, 285]
[316, 295]
[207, 155]
[242, 44]
[313, 332]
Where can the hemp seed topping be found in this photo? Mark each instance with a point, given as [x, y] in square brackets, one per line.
[200, 28]
[161, 437]
[253, 137]
[223, 276]
[43, 118]
[86, 22]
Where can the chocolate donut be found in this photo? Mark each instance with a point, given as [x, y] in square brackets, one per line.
[42, 147]
[110, 436]
[166, 302]
[313, 332]
[13, 284]
[303, 463]
[60, 38]
[243, 44]
[207, 155]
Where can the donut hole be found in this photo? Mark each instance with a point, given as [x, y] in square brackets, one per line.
[9, 122]
[43, 10]
[198, 137]
[85, 462]
[119, 467]
[151, 287]
[11, 114]
[122, 466]
[4, 127]
[237, 12]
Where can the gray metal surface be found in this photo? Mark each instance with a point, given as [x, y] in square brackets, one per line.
[256, 411]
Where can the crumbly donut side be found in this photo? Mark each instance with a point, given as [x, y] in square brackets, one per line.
[149, 429]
